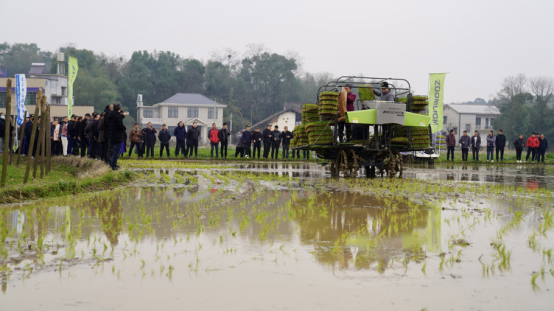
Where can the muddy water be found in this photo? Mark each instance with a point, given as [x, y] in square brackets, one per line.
[145, 248]
[528, 176]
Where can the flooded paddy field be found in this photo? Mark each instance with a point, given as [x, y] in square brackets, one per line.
[285, 236]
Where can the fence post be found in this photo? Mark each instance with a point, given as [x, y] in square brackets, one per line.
[32, 142]
[7, 131]
[48, 143]
[40, 140]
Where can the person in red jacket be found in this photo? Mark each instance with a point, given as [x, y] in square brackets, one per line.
[350, 99]
[214, 140]
[532, 146]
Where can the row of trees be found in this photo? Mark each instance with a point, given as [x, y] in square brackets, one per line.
[253, 84]
[526, 106]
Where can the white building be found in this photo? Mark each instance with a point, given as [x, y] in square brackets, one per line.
[286, 117]
[186, 107]
[470, 118]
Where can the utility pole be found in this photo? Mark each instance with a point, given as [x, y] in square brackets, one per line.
[231, 128]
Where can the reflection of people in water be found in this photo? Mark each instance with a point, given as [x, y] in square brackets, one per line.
[344, 228]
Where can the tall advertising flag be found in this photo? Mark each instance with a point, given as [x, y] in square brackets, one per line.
[73, 68]
[20, 94]
[436, 91]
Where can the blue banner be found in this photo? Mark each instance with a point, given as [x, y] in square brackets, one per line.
[20, 93]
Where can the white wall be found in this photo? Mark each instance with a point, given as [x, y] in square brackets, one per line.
[286, 119]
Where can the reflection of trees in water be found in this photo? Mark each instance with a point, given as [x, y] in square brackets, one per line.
[108, 211]
[356, 231]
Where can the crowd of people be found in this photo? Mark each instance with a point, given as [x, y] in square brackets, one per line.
[102, 136]
[536, 146]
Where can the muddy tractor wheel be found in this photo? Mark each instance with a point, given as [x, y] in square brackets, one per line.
[353, 163]
[370, 171]
[391, 167]
[334, 169]
[342, 163]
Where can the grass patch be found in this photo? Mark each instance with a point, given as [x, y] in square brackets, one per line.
[68, 176]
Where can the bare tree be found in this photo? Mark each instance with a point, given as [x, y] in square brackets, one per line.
[513, 86]
[299, 72]
[227, 56]
[255, 50]
[543, 89]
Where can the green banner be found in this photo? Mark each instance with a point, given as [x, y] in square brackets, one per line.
[436, 91]
[72, 70]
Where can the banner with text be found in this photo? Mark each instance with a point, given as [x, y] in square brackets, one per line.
[436, 92]
[73, 68]
[20, 95]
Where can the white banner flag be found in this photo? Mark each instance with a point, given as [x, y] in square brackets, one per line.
[20, 93]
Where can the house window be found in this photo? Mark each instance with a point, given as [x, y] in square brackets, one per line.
[192, 112]
[172, 112]
[486, 121]
[478, 121]
[147, 113]
[455, 130]
[443, 120]
[30, 99]
[57, 100]
[211, 113]
[64, 91]
[468, 128]
[2, 99]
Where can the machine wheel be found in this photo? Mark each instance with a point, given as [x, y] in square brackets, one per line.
[342, 163]
[334, 169]
[391, 167]
[353, 163]
[370, 171]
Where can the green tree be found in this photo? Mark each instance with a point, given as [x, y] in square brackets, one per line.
[20, 56]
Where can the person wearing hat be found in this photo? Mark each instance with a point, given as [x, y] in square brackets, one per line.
[164, 136]
[267, 134]
[257, 142]
[247, 139]
[385, 93]
[276, 143]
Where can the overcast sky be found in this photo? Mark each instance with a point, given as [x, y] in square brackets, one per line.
[477, 42]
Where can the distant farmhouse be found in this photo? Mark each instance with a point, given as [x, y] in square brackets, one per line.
[186, 107]
[470, 118]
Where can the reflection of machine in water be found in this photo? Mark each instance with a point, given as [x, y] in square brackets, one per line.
[357, 231]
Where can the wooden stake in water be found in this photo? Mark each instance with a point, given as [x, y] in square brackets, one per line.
[40, 139]
[7, 131]
[32, 142]
[48, 144]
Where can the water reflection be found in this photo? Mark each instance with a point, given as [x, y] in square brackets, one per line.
[355, 231]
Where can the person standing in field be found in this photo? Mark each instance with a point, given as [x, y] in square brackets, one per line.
[532, 146]
[543, 145]
[465, 141]
[475, 145]
[224, 134]
[64, 136]
[519, 143]
[149, 134]
[450, 145]
[135, 136]
[490, 145]
[193, 135]
[267, 134]
[70, 135]
[257, 142]
[500, 145]
[180, 133]
[247, 139]
[287, 136]
[276, 142]
[115, 130]
[214, 140]
[102, 140]
[240, 145]
[164, 136]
